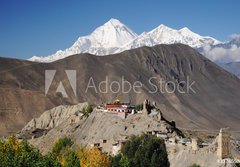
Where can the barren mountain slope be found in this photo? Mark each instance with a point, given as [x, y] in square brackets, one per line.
[215, 103]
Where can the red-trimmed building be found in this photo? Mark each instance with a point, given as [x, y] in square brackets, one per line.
[119, 108]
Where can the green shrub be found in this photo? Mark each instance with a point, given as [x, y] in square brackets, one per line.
[87, 110]
[139, 107]
[60, 144]
[68, 157]
[142, 151]
[199, 141]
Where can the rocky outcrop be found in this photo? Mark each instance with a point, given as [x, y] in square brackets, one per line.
[56, 116]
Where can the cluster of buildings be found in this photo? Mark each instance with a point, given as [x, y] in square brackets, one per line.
[165, 130]
[112, 147]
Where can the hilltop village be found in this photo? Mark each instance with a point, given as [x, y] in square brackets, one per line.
[110, 125]
[166, 130]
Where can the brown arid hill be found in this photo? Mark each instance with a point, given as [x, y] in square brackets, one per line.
[215, 103]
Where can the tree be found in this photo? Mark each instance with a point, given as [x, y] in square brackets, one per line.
[238, 158]
[22, 154]
[60, 144]
[119, 161]
[8, 151]
[143, 151]
[93, 157]
[124, 162]
[68, 158]
[115, 161]
[84, 157]
[64, 154]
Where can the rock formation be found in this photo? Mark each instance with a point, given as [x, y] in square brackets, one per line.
[55, 117]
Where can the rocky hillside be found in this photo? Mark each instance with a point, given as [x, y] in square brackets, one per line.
[99, 127]
[214, 104]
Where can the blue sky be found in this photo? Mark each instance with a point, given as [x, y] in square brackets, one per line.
[41, 27]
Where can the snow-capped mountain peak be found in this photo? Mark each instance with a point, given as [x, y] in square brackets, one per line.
[160, 29]
[185, 29]
[162, 26]
[102, 41]
[114, 22]
[112, 34]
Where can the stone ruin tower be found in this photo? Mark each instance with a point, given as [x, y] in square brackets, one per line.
[223, 144]
[146, 107]
[194, 145]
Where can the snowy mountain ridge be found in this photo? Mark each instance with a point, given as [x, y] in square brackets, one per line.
[114, 37]
[165, 35]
